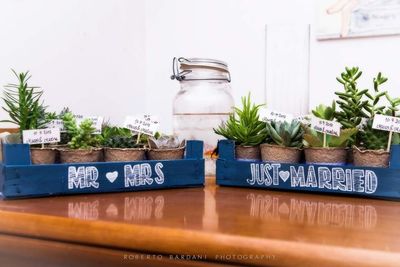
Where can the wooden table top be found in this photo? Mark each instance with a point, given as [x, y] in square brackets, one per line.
[238, 225]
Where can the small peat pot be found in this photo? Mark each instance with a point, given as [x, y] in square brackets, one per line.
[247, 152]
[81, 155]
[326, 155]
[124, 154]
[165, 153]
[45, 155]
[275, 153]
[371, 158]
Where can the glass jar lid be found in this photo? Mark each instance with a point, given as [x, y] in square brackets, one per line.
[186, 69]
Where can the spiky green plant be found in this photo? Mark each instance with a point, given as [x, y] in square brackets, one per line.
[120, 141]
[244, 126]
[82, 136]
[351, 101]
[313, 138]
[368, 137]
[108, 132]
[286, 134]
[23, 104]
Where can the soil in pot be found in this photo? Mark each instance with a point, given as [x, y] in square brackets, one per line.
[165, 153]
[124, 154]
[81, 155]
[45, 155]
[371, 158]
[326, 155]
[247, 152]
[281, 154]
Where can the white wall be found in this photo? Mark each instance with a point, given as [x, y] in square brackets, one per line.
[118, 52]
[85, 54]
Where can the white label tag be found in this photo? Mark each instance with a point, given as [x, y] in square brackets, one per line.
[304, 119]
[58, 124]
[41, 136]
[97, 122]
[386, 123]
[146, 124]
[325, 126]
[271, 115]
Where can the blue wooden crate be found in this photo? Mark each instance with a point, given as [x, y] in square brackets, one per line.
[350, 180]
[19, 178]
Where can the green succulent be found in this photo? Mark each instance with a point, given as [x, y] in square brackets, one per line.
[244, 126]
[370, 138]
[23, 104]
[351, 101]
[325, 112]
[121, 141]
[82, 136]
[313, 138]
[108, 132]
[286, 134]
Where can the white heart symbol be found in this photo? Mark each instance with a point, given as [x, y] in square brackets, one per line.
[112, 210]
[112, 176]
[284, 209]
[284, 175]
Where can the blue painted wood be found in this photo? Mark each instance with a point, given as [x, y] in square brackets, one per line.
[349, 180]
[395, 156]
[194, 149]
[226, 149]
[25, 180]
[16, 154]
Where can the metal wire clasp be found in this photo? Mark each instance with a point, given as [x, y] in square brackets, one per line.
[176, 63]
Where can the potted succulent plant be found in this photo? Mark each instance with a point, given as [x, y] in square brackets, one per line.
[373, 147]
[119, 145]
[83, 144]
[165, 147]
[245, 128]
[286, 142]
[24, 105]
[321, 148]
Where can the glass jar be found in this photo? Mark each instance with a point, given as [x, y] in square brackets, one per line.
[203, 103]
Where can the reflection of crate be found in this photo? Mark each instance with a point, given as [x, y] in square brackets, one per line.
[19, 178]
[350, 180]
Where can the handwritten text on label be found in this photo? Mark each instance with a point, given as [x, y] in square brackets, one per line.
[146, 124]
[325, 126]
[41, 136]
[271, 115]
[386, 123]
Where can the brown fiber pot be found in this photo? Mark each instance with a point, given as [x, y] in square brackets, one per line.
[323, 155]
[81, 155]
[124, 154]
[371, 158]
[247, 152]
[281, 154]
[43, 155]
[166, 154]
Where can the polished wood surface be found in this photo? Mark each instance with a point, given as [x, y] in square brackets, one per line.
[238, 225]
[19, 251]
[10, 130]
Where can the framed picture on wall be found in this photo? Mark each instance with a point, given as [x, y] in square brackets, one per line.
[338, 19]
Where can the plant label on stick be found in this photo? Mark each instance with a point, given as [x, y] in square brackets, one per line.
[97, 121]
[304, 119]
[58, 124]
[145, 124]
[386, 123]
[41, 136]
[325, 126]
[271, 115]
